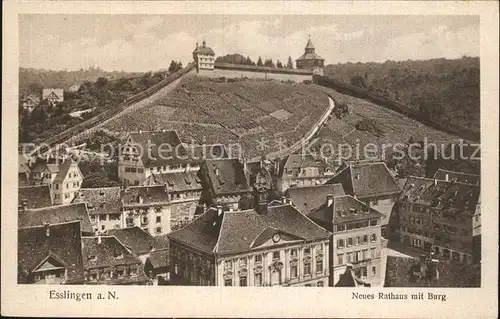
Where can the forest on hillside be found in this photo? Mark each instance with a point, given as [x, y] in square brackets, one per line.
[446, 90]
[33, 79]
[99, 95]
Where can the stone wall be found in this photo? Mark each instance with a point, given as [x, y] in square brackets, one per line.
[218, 73]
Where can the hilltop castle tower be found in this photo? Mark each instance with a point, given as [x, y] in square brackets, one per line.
[204, 57]
[310, 60]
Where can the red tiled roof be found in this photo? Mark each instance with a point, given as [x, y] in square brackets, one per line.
[344, 208]
[35, 196]
[234, 232]
[55, 215]
[368, 180]
[226, 176]
[63, 243]
[137, 240]
[460, 177]
[450, 195]
[306, 199]
[104, 200]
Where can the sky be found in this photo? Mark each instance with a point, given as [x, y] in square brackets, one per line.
[140, 43]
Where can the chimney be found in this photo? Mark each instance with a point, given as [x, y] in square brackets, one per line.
[99, 239]
[435, 182]
[283, 199]
[219, 210]
[47, 229]
[447, 177]
[329, 200]
[216, 171]
[140, 131]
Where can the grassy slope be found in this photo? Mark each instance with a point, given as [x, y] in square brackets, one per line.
[452, 85]
[230, 112]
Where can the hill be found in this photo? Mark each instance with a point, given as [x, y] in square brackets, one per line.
[228, 111]
[31, 81]
[245, 111]
[446, 90]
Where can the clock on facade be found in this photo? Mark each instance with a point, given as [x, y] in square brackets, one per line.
[276, 238]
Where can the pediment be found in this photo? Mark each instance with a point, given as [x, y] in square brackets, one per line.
[50, 262]
[272, 236]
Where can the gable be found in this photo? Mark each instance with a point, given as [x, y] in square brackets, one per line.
[50, 262]
[272, 237]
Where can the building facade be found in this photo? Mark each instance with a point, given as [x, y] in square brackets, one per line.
[147, 207]
[374, 185]
[155, 152]
[440, 217]
[204, 57]
[53, 96]
[225, 182]
[356, 239]
[104, 206]
[107, 262]
[62, 175]
[301, 171]
[250, 248]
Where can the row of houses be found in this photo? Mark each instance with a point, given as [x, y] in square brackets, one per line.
[293, 222]
[51, 95]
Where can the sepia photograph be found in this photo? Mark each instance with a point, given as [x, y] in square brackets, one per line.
[249, 150]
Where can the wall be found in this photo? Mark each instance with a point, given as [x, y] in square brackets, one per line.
[338, 269]
[151, 215]
[218, 73]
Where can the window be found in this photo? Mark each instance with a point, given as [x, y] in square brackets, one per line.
[307, 269]
[319, 266]
[57, 186]
[340, 227]
[276, 255]
[120, 273]
[67, 185]
[228, 282]
[258, 258]
[365, 239]
[374, 238]
[349, 242]
[374, 271]
[140, 170]
[358, 240]
[319, 248]
[357, 256]
[92, 218]
[348, 257]
[114, 216]
[307, 251]
[243, 262]
[372, 252]
[258, 279]
[373, 222]
[293, 271]
[158, 219]
[243, 281]
[340, 259]
[319, 284]
[364, 254]
[66, 196]
[103, 227]
[158, 230]
[133, 272]
[293, 252]
[228, 264]
[340, 243]
[102, 217]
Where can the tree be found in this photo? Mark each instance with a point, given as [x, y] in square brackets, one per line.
[278, 64]
[173, 66]
[289, 64]
[259, 62]
[269, 63]
[249, 61]
[101, 82]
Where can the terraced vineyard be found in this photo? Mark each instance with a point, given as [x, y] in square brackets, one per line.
[208, 111]
[392, 126]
